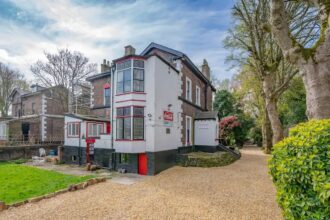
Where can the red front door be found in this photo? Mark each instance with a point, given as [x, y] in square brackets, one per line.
[143, 164]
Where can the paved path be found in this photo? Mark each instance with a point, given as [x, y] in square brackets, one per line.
[242, 190]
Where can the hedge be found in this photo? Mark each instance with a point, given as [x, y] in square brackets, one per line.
[300, 167]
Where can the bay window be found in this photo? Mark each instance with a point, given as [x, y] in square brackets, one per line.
[124, 123]
[138, 123]
[130, 76]
[130, 126]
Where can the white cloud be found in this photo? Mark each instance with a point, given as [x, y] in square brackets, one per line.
[102, 30]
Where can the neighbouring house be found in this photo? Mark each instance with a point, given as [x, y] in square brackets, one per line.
[37, 115]
[146, 108]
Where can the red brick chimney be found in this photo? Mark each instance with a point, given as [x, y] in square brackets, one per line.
[206, 69]
[129, 50]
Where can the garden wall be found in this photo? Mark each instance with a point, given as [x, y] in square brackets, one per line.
[26, 152]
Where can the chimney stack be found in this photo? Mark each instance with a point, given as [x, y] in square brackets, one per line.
[129, 50]
[206, 69]
[105, 66]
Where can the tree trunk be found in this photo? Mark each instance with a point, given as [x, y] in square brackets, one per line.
[266, 133]
[316, 77]
[313, 63]
[271, 107]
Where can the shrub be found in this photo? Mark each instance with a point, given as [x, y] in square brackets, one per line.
[228, 125]
[300, 167]
[203, 159]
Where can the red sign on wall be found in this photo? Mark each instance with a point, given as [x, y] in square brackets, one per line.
[168, 116]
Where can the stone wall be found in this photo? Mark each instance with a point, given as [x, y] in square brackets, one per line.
[26, 152]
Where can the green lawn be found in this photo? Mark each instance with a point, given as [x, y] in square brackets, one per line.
[20, 182]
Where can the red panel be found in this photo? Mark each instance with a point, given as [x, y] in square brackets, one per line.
[106, 86]
[108, 128]
[143, 164]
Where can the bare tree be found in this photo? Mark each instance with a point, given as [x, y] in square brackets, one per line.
[64, 68]
[312, 58]
[9, 79]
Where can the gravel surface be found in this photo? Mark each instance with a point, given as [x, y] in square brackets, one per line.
[242, 190]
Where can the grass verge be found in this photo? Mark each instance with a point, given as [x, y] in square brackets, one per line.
[19, 182]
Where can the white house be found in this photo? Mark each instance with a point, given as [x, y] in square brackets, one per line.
[160, 104]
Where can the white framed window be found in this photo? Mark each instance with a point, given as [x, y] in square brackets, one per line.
[188, 131]
[73, 129]
[188, 89]
[106, 97]
[198, 96]
[130, 76]
[3, 131]
[95, 129]
[130, 124]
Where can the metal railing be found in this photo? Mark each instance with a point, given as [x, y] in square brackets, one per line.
[21, 140]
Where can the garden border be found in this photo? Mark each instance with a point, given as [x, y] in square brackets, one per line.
[71, 188]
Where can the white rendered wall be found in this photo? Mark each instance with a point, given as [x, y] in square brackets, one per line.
[164, 85]
[71, 141]
[206, 132]
[103, 142]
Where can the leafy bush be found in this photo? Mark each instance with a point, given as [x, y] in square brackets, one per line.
[300, 167]
[228, 125]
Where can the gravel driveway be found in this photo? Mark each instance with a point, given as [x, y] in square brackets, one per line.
[242, 190]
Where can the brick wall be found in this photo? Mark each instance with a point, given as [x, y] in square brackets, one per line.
[27, 104]
[99, 109]
[190, 108]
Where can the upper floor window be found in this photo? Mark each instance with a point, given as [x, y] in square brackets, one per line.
[188, 89]
[126, 72]
[95, 129]
[73, 129]
[33, 108]
[198, 95]
[106, 92]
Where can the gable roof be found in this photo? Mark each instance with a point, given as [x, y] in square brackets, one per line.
[19, 91]
[98, 76]
[178, 55]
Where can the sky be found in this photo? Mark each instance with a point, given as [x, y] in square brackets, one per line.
[101, 29]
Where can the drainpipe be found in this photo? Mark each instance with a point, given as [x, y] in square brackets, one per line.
[79, 148]
[205, 94]
[113, 69]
